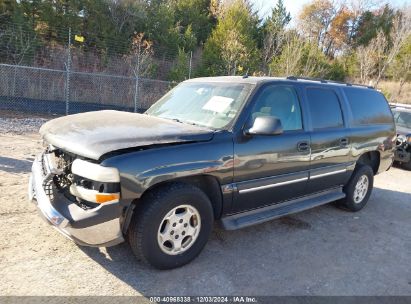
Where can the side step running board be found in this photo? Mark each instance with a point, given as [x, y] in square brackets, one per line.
[261, 215]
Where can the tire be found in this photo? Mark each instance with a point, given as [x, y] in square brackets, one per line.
[152, 236]
[356, 200]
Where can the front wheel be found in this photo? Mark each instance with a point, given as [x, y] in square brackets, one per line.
[171, 226]
[358, 189]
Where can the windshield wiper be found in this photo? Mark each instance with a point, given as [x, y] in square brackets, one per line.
[183, 122]
[193, 123]
[176, 120]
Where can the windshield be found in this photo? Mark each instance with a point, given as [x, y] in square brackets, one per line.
[213, 105]
[403, 119]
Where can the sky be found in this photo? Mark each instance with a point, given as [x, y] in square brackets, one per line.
[294, 6]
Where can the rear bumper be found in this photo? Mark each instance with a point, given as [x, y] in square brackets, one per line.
[97, 227]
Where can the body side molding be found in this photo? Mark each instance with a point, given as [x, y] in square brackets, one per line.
[273, 185]
[328, 173]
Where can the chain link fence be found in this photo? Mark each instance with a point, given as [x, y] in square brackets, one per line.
[52, 91]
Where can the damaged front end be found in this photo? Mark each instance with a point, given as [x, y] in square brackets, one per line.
[402, 152]
[80, 198]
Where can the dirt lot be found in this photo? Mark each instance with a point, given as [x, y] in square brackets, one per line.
[324, 251]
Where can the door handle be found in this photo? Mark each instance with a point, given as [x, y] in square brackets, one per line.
[303, 146]
[343, 142]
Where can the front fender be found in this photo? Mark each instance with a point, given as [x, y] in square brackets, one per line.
[140, 170]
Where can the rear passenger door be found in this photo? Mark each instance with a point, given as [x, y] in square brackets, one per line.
[330, 139]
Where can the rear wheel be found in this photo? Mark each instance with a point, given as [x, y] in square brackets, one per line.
[171, 226]
[358, 189]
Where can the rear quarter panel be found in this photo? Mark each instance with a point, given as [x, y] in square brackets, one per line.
[374, 136]
[379, 138]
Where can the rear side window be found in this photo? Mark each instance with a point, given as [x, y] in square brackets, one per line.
[324, 108]
[368, 106]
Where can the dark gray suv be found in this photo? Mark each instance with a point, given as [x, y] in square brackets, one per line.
[236, 150]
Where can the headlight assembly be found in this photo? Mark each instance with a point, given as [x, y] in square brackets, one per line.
[95, 171]
[95, 183]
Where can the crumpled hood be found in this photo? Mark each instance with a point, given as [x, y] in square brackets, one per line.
[94, 134]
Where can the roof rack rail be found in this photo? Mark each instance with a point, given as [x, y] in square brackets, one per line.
[327, 81]
[400, 105]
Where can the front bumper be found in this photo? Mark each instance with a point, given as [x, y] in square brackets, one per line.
[97, 227]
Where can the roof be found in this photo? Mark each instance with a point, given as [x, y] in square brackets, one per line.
[256, 80]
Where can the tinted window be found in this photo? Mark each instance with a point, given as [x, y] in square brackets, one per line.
[368, 106]
[403, 119]
[325, 108]
[396, 114]
[281, 102]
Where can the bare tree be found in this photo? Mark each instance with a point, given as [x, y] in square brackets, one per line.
[315, 21]
[401, 67]
[141, 57]
[233, 52]
[273, 44]
[121, 12]
[18, 43]
[289, 62]
[403, 75]
[299, 57]
[371, 57]
[401, 29]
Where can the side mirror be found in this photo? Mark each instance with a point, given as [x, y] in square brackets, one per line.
[265, 125]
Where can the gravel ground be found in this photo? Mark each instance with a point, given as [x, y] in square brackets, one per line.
[323, 251]
[17, 123]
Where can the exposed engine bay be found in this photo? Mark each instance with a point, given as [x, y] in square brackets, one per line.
[403, 149]
[63, 180]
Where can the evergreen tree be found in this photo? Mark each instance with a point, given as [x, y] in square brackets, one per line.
[232, 44]
[273, 31]
[280, 17]
[180, 70]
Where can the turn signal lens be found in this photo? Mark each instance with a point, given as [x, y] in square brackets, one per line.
[409, 139]
[102, 198]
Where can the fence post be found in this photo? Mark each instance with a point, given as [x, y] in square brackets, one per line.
[136, 74]
[14, 80]
[68, 67]
[190, 65]
[136, 95]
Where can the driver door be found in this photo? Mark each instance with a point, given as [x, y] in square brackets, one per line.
[269, 169]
